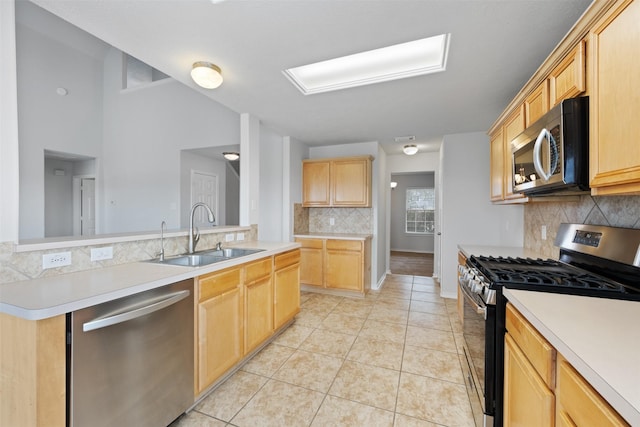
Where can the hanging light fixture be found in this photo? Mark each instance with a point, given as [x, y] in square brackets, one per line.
[206, 75]
[231, 155]
[410, 149]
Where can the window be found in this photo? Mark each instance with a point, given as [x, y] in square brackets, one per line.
[420, 207]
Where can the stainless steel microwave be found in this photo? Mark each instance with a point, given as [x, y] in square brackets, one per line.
[552, 155]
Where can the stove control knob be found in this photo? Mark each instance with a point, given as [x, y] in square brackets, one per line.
[476, 286]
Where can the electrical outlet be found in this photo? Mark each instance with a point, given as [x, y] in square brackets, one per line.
[99, 254]
[332, 221]
[59, 259]
[543, 232]
[228, 237]
[239, 236]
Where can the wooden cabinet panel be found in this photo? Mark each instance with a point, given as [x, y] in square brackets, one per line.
[497, 170]
[513, 126]
[351, 182]
[540, 353]
[311, 261]
[258, 312]
[340, 182]
[343, 269]
[462, 261]
[568, 79]
[537, 103]
[33, 371]
[220, 335]
[579, 403]
[614, 111]
[315, 183]
[287, 294]
[257, 270]
[528, 400]
[217, 283]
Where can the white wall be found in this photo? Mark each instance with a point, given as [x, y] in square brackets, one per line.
[468, 217]
[270, 220]
[9, 173]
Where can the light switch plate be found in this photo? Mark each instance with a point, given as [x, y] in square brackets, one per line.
[99, 254]
[228, 237]
[239, 236]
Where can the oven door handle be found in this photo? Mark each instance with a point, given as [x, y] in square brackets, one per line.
[479, 308]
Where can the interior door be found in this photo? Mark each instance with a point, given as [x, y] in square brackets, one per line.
[204, 188]
[87, 218]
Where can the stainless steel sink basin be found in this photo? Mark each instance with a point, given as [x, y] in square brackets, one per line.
[207, 257]
[232, 252]
[193, 260]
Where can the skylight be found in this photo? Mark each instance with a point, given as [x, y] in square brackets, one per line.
[399, 61]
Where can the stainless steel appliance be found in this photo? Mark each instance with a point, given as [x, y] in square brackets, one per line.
[552, 154]
[595, 261]
[131, 360]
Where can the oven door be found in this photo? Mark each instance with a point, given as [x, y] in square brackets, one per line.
[475, 346]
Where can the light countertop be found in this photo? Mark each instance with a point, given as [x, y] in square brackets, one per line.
[496, 251]
[338, 236]
[51, 296]
[599, 337]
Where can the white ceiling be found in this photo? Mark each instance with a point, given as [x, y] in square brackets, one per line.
[495, 47]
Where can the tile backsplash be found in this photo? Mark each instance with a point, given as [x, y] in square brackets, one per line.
[345, 220]
[16, 266]
[616, 211]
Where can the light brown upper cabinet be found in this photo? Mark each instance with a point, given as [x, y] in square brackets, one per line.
[501, 159]
[537, 104]
[614, 101]
[339, 182]
[568, 80]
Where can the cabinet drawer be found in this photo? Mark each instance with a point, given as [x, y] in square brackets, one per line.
[540, 353]
[579, 404]
[286, 259]
[217, 283]
[344, 245]
[257, 270]
[310, 243]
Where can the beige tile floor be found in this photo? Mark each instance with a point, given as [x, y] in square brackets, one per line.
[390, 359]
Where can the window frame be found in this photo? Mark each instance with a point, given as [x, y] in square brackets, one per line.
[429, 217]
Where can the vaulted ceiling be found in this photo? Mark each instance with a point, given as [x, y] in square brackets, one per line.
[495, 47]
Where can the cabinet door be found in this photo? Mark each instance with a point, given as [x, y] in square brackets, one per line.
[614, 108]
[579, 403]
[258, 314]
[219, 335]
[315, 183]
[513, 127]
[311, 261]
[287, 294]
[568, 79]
[344, 266]
[497, 165]
[462, 261]
[527, 399]
[351, 182]
[537, 103]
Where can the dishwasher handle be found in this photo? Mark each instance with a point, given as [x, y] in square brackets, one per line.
[113, 319]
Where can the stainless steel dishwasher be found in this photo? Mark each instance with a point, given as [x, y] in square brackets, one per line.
[131, 359]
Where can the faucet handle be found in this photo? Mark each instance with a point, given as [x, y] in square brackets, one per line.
[196, 235]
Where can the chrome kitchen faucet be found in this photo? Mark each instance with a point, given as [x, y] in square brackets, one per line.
[194, 235]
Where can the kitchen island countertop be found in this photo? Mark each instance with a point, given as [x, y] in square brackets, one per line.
[46, 297]
[599, 337]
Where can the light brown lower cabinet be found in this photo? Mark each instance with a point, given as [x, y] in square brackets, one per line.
[219, 325]
[286, 278]
[541, 388]
[258, 303]
[336, 264]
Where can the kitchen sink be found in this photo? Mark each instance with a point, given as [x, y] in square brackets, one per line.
[207, 257]
[232, 252]
[192, 260]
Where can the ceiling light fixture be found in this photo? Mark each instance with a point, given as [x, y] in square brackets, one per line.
[410, 149]
[206, 74]
[414, 58]
[231, 155]
[393, 184]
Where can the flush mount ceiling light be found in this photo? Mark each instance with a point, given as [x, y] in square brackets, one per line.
[231, 155]
[410, 149]
[206, 75]
[393, 184]
[399, 61]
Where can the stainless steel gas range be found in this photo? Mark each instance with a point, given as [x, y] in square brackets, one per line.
[595, 261]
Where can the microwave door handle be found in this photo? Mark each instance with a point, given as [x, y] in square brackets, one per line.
[537, 148]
